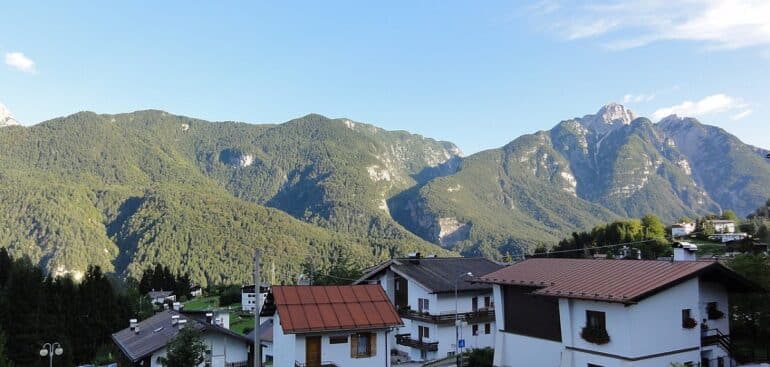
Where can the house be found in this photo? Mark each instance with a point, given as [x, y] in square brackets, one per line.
[249, 296]
[332, 326]
[612, 313]
[722, 226]
[143, 343]
[265, 339]
[196, 291]
[682, 229]
[161, 296]
[728, 237]
[423, 292]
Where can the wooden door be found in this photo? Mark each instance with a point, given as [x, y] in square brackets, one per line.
[313, 351]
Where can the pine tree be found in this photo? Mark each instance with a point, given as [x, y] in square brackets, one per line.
[4, 361]
[186, 350]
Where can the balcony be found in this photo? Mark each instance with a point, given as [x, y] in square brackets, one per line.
[473, 317]
[425, 344]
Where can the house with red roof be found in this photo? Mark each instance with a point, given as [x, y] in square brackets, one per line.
[612, 313]
[332, 326]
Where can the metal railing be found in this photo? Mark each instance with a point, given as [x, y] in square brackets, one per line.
[482, 315]
[237, 364]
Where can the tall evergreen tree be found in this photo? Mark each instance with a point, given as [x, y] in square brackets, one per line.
[186, 350]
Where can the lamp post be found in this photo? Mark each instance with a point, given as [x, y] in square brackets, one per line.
[50, 350]
[457, 314]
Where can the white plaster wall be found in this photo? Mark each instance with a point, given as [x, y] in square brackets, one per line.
[340, 353]
[283, 345]
[417, 291]
[580, 359]
[714, 292]
[518, 351]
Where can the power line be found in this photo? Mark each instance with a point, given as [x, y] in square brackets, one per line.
[592, 248]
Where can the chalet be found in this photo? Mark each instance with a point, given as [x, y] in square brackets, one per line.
[161, 296]
[682, 229]
[332, 326]
[196, 291]
[722, 226]
[144, 343]
[612, 313]
[423, 292]
[249, 296]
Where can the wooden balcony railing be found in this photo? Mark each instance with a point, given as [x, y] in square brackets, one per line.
[482, 315]
[406, 340]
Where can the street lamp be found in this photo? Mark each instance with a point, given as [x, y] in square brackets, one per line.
[50, 350]
[457, 314]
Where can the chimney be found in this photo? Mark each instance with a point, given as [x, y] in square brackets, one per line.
[209, 318]
[174, 319]
[177, 306]
[132, 323]
[181, 323]
[684, 251]
[136, 329]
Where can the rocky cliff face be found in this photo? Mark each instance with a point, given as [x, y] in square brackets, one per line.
[5, 117]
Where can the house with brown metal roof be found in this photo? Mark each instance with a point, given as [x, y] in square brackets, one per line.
[612, 313]
[144, 342]
[328, 326]
[443, 311]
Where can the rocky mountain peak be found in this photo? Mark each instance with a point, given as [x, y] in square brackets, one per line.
[608, 117]
[5, 117]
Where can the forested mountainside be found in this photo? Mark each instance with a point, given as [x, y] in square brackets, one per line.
[128, 190]
[125, 191]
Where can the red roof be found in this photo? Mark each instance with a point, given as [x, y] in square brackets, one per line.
[304, 309]
[624, 281]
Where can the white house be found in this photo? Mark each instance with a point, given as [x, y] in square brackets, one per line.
[613, 313]
[144, 343]
[332, 326]
[722, 226]
[728, 237]
[196, 291]
[423, 292]
[682, 229]
[161, 296]
[249, 296]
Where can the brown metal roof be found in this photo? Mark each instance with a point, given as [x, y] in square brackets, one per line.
[305, 309]
[624, 281]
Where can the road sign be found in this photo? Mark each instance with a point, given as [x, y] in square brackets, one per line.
[461, 343]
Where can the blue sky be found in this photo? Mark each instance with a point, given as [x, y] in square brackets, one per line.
[475, 73]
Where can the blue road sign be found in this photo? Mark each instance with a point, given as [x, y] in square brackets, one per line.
[461, 343]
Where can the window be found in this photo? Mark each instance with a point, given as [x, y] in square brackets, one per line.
[340, 339]
[423, 305]
[423, 332]
[363, 345]
[487, 328]
[596, 320]
[687, 320]
[475, 304]
[475, 329]
[487, 302]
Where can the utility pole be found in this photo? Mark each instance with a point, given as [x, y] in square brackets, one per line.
[257, 310]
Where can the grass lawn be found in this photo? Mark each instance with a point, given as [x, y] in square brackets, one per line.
[239, 323]
[202, 304]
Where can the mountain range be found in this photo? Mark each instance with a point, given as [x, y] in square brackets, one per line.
[128, 190]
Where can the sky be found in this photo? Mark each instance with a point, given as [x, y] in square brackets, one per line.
[478, 74]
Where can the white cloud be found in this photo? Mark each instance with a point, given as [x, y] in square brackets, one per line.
[637, 98]
[19, 61]
[712, 104]
[717, 24]
[741, 115]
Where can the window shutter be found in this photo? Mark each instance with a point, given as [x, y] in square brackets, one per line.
[372, 344]
[354, 346]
